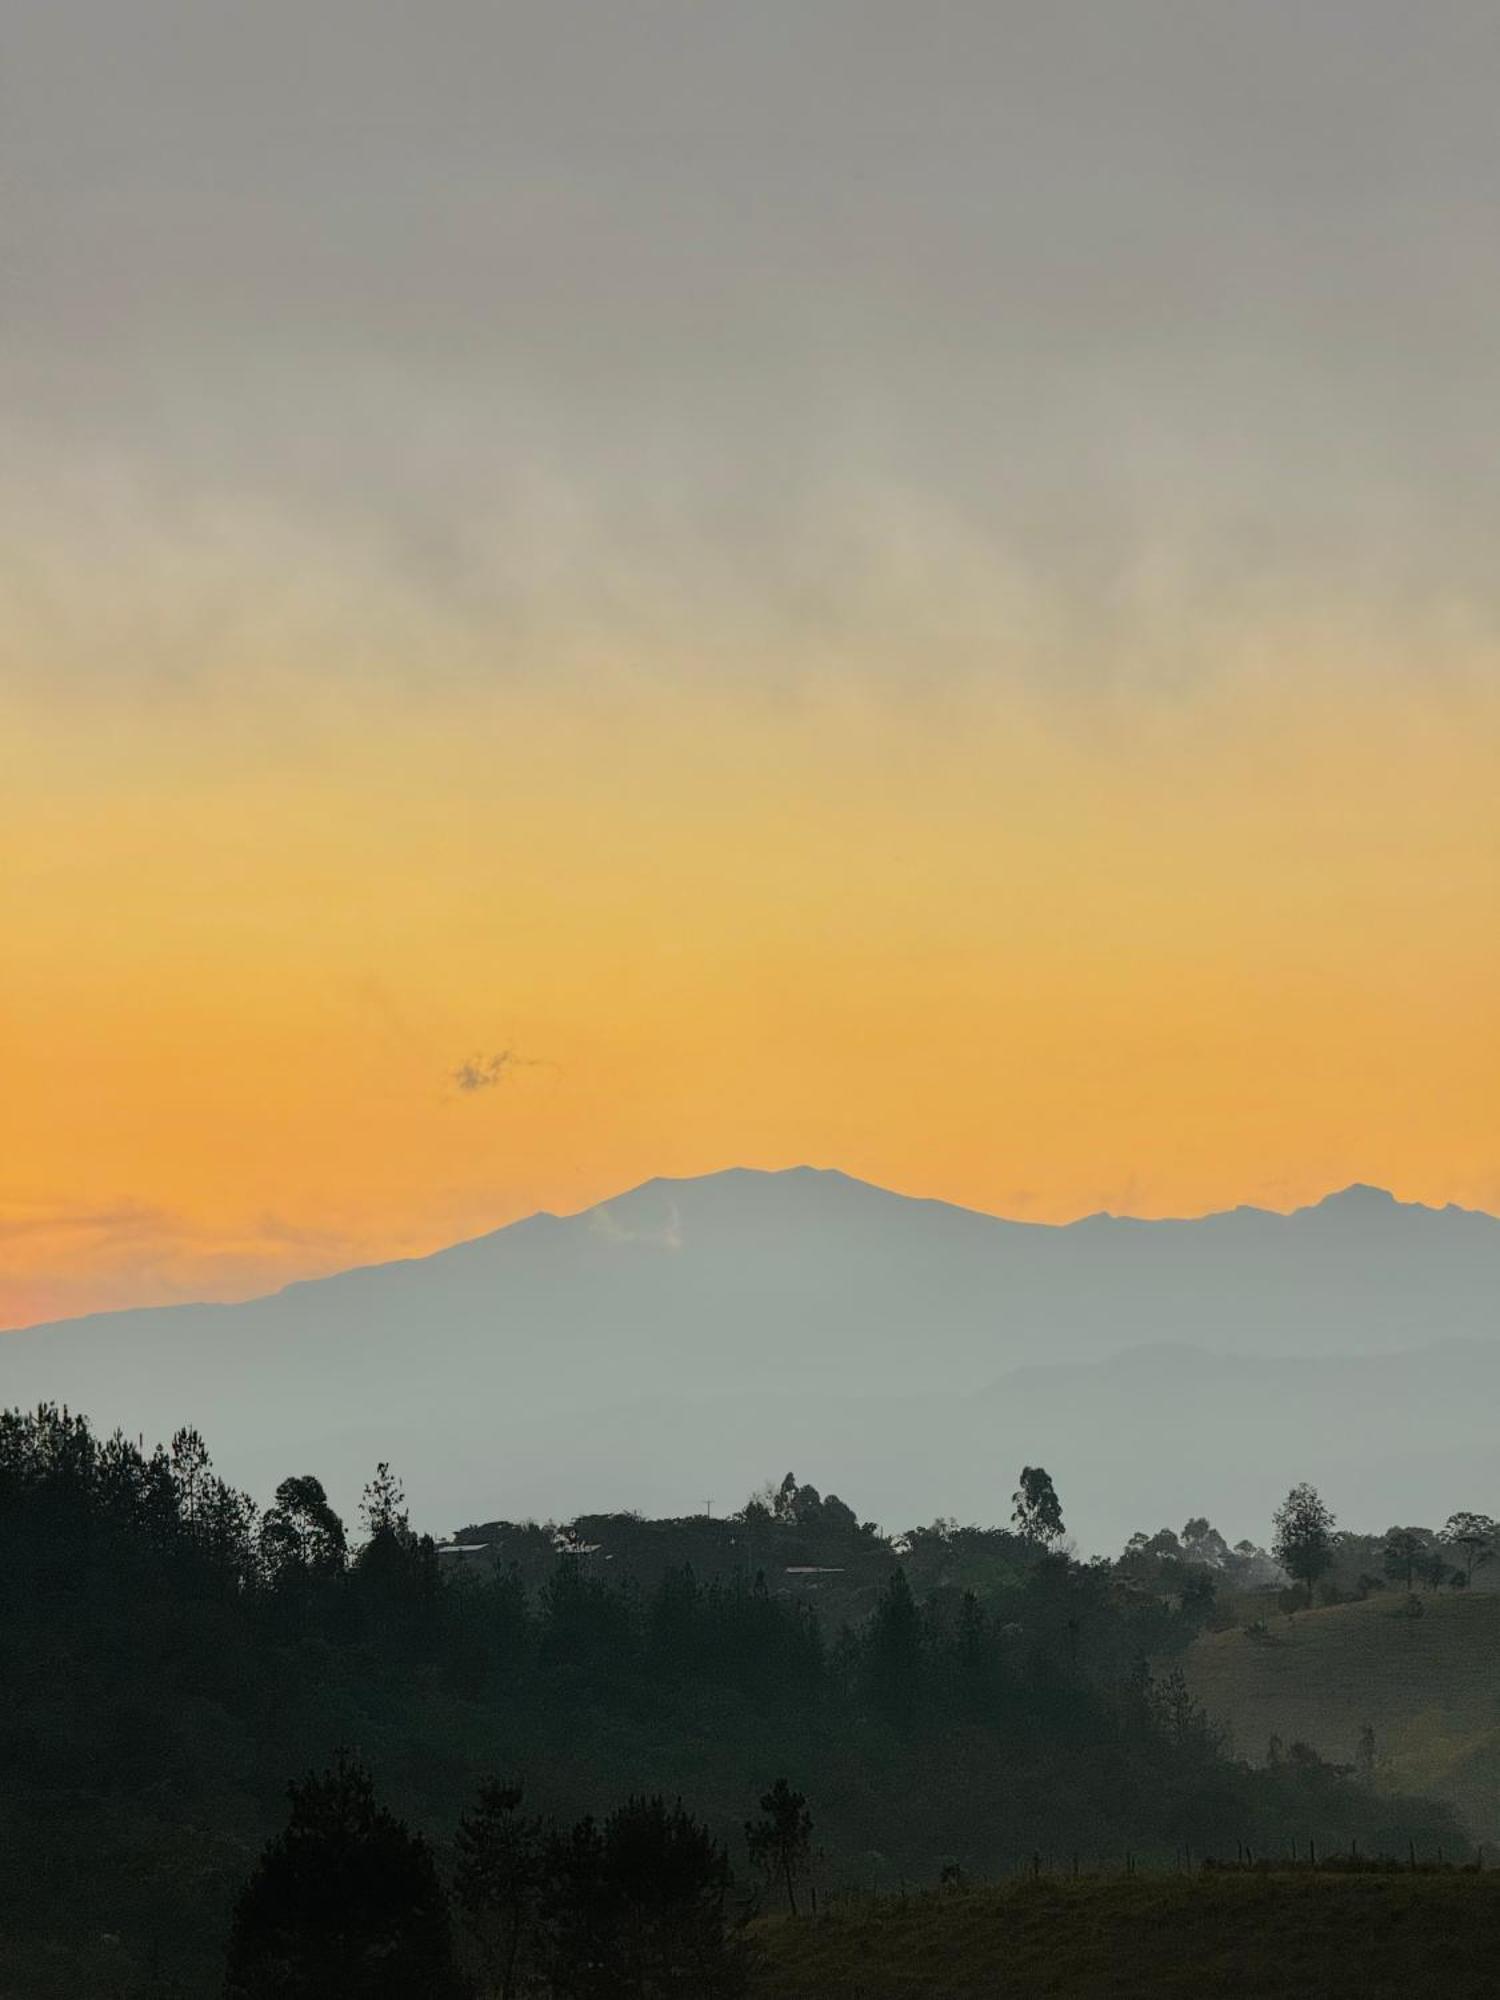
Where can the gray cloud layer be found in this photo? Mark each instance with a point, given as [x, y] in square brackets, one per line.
[1136, 304]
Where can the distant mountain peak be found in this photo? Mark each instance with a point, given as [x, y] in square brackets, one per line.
[1362, 1197]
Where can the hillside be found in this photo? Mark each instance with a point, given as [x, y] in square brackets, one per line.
[677, 1346]
[1259, 1937]
[210, 1654]
[1427, 1686]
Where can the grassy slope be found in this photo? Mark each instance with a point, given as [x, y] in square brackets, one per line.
[1370, 1936]
[1428, 1686]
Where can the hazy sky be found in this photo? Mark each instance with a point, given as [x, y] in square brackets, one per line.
[597, 590]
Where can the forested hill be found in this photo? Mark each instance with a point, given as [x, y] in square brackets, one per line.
[170, 1657]
[674, 1346]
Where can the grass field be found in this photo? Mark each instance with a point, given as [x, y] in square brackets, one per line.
[1428, 1686]
[1312, 1935]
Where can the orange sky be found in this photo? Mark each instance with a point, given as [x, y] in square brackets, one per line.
[910, 592]
[1156, 950]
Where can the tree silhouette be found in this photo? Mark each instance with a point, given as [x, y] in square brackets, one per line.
[1474, 1536]
[1401, 1553]
[1037, 1510]
[895, 1651]
[1433, 1569]
[344, 1902]
[396, 1568]
[1304, 1535]
[301, 1537]
[498, 1883]
[781, 1842]
[382, 1507]
[638, 1908]
[191, 1471]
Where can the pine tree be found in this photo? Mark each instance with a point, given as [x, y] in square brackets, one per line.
[345, 1901]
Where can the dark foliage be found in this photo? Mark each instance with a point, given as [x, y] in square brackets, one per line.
[166, 1659]
[500, 1874]
[345, 1901]
[638, 1907]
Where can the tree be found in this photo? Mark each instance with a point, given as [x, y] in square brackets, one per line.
[781, 1843]
[1433, 1570]
[1197, 1597]
[498, 1883]
[1402, 1551]
[1037, 1509]
[894, 1650]
[396, 1567]
[383, 1506]
[638, 1907]
[226, 1532]
[1202, 1542]
[1303, 1544]
[191, 1471]
[1474, 1536]
[302, 1536]
[345, 1901]
[796, 1506]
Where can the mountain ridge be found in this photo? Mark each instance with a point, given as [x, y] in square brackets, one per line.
[1357, 1198]
[697, 1333]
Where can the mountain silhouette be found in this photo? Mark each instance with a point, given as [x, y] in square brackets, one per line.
[693, 1337]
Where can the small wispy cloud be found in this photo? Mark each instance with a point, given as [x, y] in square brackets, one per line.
[488, 1070]
[481, 1072]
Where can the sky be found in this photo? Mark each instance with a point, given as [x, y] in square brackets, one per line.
[590, 592]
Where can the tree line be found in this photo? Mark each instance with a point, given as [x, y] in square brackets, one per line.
[1307, 1545]
[347, 1900]
[169, 1654]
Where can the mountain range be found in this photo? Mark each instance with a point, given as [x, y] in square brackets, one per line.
[675, 1347]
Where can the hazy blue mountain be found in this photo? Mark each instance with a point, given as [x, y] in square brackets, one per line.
[694, 1337]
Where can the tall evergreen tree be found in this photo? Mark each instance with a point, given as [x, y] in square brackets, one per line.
[894, 1651]
[344, 1902]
